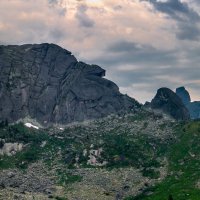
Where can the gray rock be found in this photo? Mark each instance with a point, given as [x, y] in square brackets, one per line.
[47, 83]
[193, 107]
[170, 103]
[183, 94]
[10, 149]
[34, 179]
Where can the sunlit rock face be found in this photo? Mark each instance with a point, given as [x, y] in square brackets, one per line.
[47, 83]
[170, 103]
[193, 107]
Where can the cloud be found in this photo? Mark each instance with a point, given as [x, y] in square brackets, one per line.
[53, 2]
[188, 20]
[188, 31]
[142, 45]
[59, 6]
[83, 18]
[127, 52]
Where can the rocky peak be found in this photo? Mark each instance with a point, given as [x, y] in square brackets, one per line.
[170, 103]
[183, 94]
[193, 107]
[46, 82]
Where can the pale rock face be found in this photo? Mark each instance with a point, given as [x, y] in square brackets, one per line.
[47, 83]
[84, 152]
[43, 144]
[94, 154]
[10, 149]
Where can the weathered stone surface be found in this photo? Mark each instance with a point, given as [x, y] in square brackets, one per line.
[10, 149]
[45, 82]
[183, 94]
[193, 107]
[170, 103]
[36, 179]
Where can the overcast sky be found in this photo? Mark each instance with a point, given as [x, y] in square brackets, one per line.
[142, 44]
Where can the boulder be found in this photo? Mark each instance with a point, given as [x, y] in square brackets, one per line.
[10, 149]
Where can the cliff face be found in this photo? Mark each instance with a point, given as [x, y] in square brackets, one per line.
[193, 107]
[47, 83]
[170, 103]
[183, 94]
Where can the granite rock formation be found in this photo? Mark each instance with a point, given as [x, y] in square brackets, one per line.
[170, 103]
[183, 94]
[193, 107]
[46, 82]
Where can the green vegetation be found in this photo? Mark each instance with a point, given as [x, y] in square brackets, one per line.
[184, 171]
[60, 149]
[22, 134]
[123, 146]
[29, 137]
[123, 151]
[65, 178]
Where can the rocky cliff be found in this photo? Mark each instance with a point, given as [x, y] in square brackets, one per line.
[46, 82]
[170, 103]
[183, 94]
[193, 107]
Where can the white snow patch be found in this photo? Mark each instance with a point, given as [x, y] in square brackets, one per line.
[31, 125]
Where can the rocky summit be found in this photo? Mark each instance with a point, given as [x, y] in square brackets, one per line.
[170, 103]
[46, 82]
[193, 107]
[183, 94]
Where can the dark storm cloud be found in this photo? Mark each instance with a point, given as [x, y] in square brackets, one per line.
[144, 62]
[176, 9]
[145, 68]
[83, 19]
[124, 52]
[188, 32]
[187, 19]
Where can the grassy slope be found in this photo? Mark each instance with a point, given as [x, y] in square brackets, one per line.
[118, 145]
[184, 168]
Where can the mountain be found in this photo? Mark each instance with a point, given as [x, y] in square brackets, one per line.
[183, 94]
[46, 82]
[193, 107]
[127, 152]
[170, 103]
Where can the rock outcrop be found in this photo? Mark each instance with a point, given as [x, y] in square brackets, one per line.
[170, 103]
[45, 82]
[183, 94]
[9, 149]
[193, 107]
